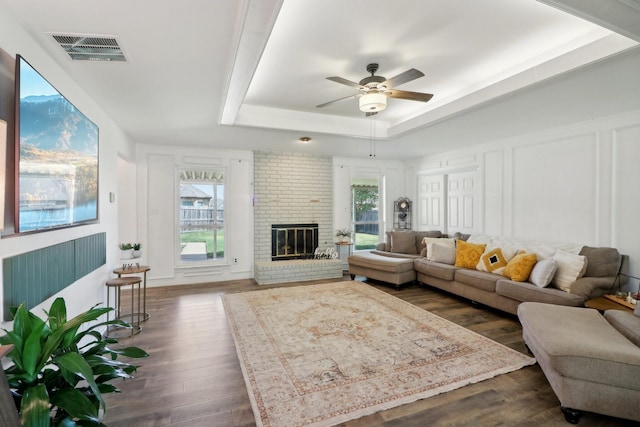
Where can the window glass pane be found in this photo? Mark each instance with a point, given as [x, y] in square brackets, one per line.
[201, 225]
[365, 214]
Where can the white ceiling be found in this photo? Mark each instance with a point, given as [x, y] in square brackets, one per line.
[218, 73]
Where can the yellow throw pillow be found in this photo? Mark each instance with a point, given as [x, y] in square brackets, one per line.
[520, 266]
[468, 254]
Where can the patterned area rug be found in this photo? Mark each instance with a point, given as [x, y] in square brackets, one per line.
[324, 354]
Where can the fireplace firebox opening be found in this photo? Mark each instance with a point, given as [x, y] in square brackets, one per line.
[293, 241]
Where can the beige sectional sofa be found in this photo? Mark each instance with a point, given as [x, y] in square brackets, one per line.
[597, 276]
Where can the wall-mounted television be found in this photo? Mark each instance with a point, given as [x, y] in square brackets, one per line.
[57, 157]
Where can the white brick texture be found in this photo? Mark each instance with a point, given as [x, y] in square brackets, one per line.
[291, 188]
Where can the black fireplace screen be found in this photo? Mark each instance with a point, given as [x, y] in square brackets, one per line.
[293, 241]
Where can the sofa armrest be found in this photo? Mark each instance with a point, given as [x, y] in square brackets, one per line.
[592, 287]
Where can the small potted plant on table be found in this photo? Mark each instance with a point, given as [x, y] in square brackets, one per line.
[343, 235]
[137, 253]
[126, 251]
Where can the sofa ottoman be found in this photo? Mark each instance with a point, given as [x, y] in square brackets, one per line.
[397, 271]
[590, 365]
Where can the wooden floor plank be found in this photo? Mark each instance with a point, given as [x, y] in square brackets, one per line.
[193, 377]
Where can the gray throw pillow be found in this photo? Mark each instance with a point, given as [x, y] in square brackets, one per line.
[403, 242]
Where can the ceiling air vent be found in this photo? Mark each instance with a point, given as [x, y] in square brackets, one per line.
[90, 48]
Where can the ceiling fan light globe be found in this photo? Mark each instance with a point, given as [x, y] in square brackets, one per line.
[373, 102]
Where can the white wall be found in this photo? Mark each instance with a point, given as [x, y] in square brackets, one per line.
[127, 201]
[157, 210]
[90, 289]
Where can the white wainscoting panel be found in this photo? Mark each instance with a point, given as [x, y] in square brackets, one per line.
[493, 190]
[554, 189]
[626, 196]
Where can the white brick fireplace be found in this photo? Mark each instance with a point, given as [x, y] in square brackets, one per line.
[292, 188]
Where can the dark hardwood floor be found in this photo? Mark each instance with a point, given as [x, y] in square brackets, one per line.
[193, 377]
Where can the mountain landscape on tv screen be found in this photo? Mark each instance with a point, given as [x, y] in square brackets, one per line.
[51, 123]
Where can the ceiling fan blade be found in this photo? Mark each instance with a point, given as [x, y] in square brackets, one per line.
[357, 95]
[401, 78]
[346, 82]
[412, 96]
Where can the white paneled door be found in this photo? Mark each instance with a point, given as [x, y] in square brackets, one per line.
[431, 206]
[462, 197]
[449, 202]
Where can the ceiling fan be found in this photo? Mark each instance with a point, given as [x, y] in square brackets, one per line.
[374, 90]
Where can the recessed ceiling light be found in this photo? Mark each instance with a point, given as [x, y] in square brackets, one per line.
[304, 139]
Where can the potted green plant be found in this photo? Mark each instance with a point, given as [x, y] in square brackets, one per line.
[126, 250]
[59, 371]
[343, 235]
[137, 253]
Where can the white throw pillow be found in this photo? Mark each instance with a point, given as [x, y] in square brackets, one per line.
[445, 254]
[543, 272]
[439, 240]
[571, 267]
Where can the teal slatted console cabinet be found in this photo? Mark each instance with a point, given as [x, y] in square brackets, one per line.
[34, 276]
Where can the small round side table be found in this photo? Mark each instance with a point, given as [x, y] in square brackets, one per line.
[137, 269]
[117, 284]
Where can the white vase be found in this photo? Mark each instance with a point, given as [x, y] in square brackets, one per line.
[126, 253]
[136, 253]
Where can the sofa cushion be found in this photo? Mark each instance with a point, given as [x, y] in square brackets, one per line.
[468, 254]
[601, 262]
[626, 323]
[393, 255]
[445, 254]
[571, 267]
[435, 269]
[519, 267]
[543, 272]
[380, 262]
[478, 279]
[525, 291]
[403, 242]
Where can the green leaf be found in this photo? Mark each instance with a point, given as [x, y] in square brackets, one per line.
[76, 404]
[18, 344]
[70, 327]
[73, 362]
[108, 388]
[134, 352]
[32, 350]
[57, 314]
[22, 322]
[34, 408]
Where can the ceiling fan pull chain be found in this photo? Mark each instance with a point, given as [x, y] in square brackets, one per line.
[372, 136]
